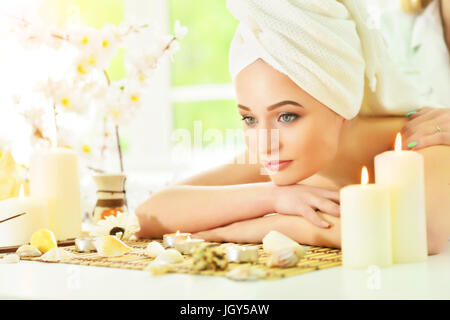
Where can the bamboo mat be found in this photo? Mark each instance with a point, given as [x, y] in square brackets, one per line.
[316, 258]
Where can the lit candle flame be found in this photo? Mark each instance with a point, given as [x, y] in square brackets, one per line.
[364, 176]
[21, 192]
[178, 232]
[398, 142]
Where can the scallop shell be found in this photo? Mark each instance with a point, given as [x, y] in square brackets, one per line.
[56, 255]
[245, 273]
[28, 251]
[154, 249]
[284, 258]
[10, 258]
[111, 246]
[169, 256]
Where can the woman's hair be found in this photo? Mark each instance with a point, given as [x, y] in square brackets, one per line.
[414, 6]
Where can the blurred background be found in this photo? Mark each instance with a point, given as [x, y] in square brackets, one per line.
[189, 120]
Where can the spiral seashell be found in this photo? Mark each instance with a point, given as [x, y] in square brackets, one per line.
[283, 258]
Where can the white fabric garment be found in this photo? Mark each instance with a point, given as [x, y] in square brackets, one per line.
[331, 49]
[416, 47]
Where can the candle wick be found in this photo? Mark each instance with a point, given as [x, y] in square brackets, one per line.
[16, 216]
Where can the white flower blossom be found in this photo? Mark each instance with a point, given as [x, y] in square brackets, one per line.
[125, 223]
[179, 30]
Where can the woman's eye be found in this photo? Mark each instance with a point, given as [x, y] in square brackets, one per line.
[249, 120]
[288, 117]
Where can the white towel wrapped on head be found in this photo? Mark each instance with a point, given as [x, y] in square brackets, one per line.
[314, 42]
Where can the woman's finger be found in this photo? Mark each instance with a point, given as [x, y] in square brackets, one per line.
[440, 138]
[420, 112]
[309, 214]
[325, 205]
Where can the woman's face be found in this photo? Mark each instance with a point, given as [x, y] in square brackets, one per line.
[305, 133]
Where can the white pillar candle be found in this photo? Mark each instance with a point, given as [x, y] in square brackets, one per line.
[54, 177]
[403, 172]
[365, 225]
[16, 228]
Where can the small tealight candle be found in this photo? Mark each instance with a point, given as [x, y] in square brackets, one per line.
[170, 238]
[186, 246]
[365, 225]
[242, 254]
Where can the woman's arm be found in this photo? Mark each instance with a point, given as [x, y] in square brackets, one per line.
[445, 10]
[297, 228]
[437, 196]
[196, 208]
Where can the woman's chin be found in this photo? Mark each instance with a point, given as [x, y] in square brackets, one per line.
[289, 176]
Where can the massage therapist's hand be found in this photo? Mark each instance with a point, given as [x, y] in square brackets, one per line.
[302, 200]
[426, 127]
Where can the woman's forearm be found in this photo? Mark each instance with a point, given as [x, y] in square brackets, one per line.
[197, 208]
[445, 10]
[295, 227]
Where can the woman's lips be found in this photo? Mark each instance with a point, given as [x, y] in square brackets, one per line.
[277, 165]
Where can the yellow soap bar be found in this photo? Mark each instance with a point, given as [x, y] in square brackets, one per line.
[43, 240]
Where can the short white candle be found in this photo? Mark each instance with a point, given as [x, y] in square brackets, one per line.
[170, 238]
[365, 225]
[54, 177]
[403, 172]
[17, 231]
[186, 246]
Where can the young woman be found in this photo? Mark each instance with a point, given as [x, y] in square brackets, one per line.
[323, 138]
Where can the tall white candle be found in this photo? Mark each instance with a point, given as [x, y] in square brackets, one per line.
[365, 225]
[54, 177]
[21, 217]
[403, 172]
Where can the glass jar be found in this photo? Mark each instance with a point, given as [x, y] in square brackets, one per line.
[111, 196]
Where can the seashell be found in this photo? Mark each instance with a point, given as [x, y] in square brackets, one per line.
[154, 249]
[28, 251]
[275, 240]
[157, 269]
[43, 240]
[169, 256]
[111, 246]
[56, 255]
[284, 257]
[245, 273]
[10, 258]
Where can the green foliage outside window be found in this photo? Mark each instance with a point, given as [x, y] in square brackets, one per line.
[203, 59]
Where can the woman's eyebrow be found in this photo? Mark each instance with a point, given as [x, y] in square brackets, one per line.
[274, 106]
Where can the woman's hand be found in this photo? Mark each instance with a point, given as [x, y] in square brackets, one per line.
[302, 200]
[427, 127]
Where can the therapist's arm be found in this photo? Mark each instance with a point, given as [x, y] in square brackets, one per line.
[445, 10]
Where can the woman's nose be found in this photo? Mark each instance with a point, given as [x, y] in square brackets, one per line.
[269, 143]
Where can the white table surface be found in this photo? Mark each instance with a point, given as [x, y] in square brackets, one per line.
[37, 280]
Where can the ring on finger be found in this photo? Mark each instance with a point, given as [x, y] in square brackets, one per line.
[438, 129]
